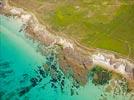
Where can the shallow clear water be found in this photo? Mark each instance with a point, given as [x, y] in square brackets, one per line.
[23, 77]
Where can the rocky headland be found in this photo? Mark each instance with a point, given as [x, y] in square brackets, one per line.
[72, 56]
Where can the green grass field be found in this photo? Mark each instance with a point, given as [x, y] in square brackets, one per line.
[106, 24]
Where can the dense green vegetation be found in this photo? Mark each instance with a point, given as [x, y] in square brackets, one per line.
[107, 24]
[100, 76]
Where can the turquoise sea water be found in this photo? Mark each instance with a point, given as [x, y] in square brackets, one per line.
[23, 77]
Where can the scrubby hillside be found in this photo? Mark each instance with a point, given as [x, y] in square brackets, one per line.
[106, 24]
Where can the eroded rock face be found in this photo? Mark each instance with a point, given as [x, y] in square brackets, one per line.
[70, 58]
[117, 64]
[78, 71]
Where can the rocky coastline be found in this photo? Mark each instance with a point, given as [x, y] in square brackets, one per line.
[71, 56]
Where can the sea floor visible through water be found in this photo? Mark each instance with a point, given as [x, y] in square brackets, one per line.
[26, 74]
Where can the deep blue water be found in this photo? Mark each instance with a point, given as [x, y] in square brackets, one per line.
[25, 74]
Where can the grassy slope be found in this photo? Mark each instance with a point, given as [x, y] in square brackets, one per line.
[107, 24]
